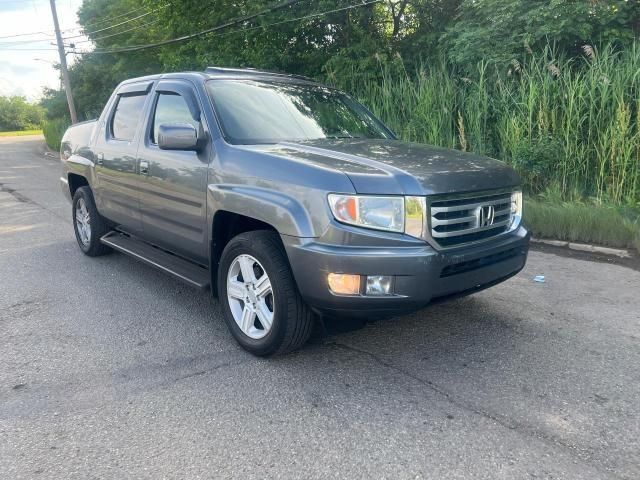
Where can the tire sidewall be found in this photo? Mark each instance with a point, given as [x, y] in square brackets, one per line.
[271, 341]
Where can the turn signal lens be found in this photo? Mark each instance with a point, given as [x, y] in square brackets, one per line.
[344, 284]
[415, 216]
[516, 210]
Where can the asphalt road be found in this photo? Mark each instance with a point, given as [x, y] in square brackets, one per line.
[110, 369]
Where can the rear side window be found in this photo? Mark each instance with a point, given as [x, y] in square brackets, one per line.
[127, 116]
[170, 108]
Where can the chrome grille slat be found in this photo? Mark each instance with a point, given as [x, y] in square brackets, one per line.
[466, 231]
[468, 206]
[435, 222]
[454, 220]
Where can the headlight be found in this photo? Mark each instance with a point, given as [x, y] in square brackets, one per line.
[380, 213]
[516, 210]
[394, 214]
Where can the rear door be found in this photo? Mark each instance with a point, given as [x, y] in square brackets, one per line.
[173, 183]
[117, 179]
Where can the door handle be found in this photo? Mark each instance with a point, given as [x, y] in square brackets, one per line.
[100, 158]
[144, 167]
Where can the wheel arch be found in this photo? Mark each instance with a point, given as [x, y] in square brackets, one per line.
[75, 182]
[226, 225]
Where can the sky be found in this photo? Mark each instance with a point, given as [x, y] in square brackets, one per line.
[20, 72]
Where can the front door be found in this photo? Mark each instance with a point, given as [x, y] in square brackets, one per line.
[117, 178]
[173, 183]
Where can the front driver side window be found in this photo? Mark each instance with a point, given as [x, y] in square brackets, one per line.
[170, 108]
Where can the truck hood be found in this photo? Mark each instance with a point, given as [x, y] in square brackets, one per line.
[395, 167]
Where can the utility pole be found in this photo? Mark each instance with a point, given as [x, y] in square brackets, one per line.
[63, 64]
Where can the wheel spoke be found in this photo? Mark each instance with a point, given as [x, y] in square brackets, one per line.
[249, 299]
[263, 286]
[264, 315]
[235, 289]
[248, 317]
[246, 266]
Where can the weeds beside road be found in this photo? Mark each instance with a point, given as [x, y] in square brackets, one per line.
[21, 133]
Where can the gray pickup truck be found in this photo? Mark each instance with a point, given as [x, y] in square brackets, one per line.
[288, 199]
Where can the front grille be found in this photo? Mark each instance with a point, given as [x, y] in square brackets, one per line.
[460, 220]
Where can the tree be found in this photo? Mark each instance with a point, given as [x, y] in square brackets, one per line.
[18, 114]
[500, 31]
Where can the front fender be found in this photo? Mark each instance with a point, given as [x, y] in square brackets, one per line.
[79, 165]
[283, 212]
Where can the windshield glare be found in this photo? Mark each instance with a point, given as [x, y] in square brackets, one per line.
[253, 112]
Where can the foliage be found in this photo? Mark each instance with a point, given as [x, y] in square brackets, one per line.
[21, 133]
[53, 131]
[582, 222]
[520, 80]
[500, 31]
[18, 114]
[577, 128]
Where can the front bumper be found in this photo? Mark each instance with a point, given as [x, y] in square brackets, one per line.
[422, 274]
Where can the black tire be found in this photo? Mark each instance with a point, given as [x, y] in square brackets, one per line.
[98, 224]
[292, 319]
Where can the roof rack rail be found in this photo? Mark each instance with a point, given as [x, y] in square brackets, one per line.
[253, 71]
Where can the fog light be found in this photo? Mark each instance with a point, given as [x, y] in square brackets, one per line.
[344, 284]
[379, 284]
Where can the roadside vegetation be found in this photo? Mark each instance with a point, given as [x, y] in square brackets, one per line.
[553, 88]
[18, 115]
[21, 133]
[54, 130]
[582, 221]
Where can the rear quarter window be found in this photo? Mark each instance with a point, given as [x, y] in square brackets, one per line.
[126, 116]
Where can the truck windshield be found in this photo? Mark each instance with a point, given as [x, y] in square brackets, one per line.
[252, 112]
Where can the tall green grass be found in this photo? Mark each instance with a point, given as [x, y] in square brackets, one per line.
[53, 131]
[582, 222]
[569, 124]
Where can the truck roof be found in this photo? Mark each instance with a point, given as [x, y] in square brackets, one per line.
[223, 72]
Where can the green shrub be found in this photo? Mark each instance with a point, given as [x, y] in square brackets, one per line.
[574, 124]
[53, 131]
[583, 222]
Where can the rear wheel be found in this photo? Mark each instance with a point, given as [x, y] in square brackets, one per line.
[261, 303]
[88, 224]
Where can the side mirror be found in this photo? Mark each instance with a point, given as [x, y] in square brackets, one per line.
[178, 136]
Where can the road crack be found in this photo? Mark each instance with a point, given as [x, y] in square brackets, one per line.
[24, 199]
[501, 420]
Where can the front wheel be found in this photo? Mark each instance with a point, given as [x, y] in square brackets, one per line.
[88, 224]
[260, 301]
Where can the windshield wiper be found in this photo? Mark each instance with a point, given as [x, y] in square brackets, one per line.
[342, 136]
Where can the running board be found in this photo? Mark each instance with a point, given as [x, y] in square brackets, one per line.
[185, 270]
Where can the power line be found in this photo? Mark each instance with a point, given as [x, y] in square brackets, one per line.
[230, 23]
[26, 35]
[234, 22]
[106, 20]
[51, 33]
[27, 49]
[117, 24]
[137, 27]
[23, 42]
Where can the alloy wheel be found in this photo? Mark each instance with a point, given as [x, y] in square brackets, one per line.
[83, 222]
[250, 296]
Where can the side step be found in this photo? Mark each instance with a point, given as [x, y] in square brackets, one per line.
[186, 271]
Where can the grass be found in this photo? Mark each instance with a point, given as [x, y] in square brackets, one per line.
[53, 131]
[21, 133]
[569, 123]
[583, 222]
[571, 126]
